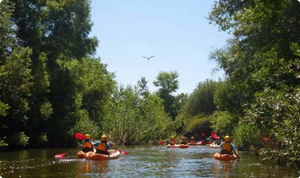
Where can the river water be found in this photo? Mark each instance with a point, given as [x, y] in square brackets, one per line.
[142, 161]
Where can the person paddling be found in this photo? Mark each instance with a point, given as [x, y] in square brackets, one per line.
[103, 146]
[227, 147]
[87, 144]
[183, 140]
[218, 141]
[192, 140]
[210, 140]
[172, 140]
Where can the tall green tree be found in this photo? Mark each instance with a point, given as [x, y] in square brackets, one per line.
[15, 82]
[168, 84]
[201, 101]
[62, 94]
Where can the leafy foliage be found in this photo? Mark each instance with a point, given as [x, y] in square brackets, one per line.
[225, 123]
[276, 112]
[201, 101]
[135, 118]
[262, 65]
[168, 83]
[245, 135]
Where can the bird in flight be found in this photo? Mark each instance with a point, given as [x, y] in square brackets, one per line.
[148, 57]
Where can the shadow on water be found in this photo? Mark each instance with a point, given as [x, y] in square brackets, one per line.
[146, 161]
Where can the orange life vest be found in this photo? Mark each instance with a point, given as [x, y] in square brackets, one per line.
[172, 142]
[87, 144]
[227, 146]
[102, 146]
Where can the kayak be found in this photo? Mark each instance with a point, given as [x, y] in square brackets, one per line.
[177, 146]
[113, 154]
[214, 145]
[224, 157]
[196, 144]
[81, 154]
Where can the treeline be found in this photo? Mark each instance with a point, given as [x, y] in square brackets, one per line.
[258, 102]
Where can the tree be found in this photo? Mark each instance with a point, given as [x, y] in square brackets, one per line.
[262, 63]
[167, 83]
[15, 82]
[201, 101]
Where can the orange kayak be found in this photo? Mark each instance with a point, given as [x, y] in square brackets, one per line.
[224, 157]
[81, 154]
[113, 154]
[177, 146]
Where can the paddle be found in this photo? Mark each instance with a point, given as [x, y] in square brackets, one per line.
[60, 156]
[121, 151]
[214, 135]
[80, 136]
[203, 134]
[161, 143]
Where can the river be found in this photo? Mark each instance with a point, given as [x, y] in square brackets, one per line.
[142, 161]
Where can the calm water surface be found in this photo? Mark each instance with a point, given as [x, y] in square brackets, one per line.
[142, 161]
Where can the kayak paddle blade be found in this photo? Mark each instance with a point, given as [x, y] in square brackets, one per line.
[214, 135]
[161, 143]
[123, 152]
[60, 156]
[79, 136]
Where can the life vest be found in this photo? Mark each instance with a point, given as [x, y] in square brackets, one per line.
[227, 146]
[87, 144]
[172, 142]
[102, 147]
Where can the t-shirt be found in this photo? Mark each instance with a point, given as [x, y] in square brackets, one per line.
[232, 146]
[97, 143]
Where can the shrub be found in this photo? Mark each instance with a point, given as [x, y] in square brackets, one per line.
[245, 135]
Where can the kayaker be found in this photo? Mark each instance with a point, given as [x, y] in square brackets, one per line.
[172, 140]
[186, 141]
[218, 141]
[103, 146]
[87, 144]
[210, 140]
[227, 147]
[192, 140]
[183, 140]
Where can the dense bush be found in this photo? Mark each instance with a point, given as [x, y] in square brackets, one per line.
[245, 135]
[136, 119]
[225, 123]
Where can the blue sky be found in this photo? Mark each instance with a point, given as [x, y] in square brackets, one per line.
[175, 31]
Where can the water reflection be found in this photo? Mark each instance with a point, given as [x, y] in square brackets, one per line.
[143, 161]
[224, 168]
[90, 167]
